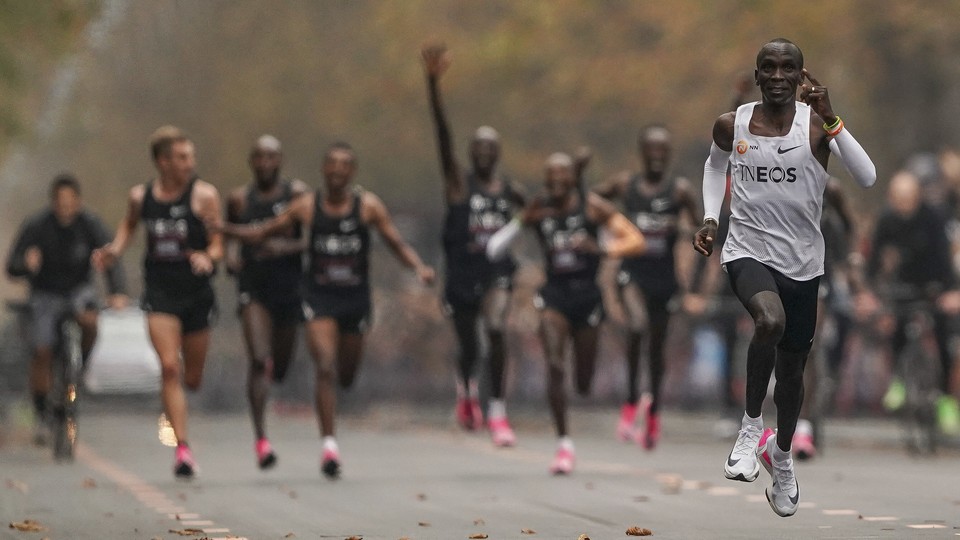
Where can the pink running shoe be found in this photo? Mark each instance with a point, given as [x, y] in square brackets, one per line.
[803, 447]
[184, 467]
[562, 462]
[330, 463]
[501, 432]
[625, 428]
[476, 413]
[265, 456]
[464, 413]
[651, 430]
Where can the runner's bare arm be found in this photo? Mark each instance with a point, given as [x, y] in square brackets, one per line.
[626, 240]
[376, 214]
[106, 256]
[436, 61]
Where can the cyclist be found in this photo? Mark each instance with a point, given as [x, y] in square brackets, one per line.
[52, 251]
[910, 257]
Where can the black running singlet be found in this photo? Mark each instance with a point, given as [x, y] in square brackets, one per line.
[467, 229]
[173, 232]
[558, 235]
[339, 250]
[656, 216]
[259, 210]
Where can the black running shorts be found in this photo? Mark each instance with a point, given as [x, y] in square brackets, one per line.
[196, 309]
[580, 302]
[749, 277]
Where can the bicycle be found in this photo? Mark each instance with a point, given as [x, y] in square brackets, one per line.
[66, 369]
[920, 372]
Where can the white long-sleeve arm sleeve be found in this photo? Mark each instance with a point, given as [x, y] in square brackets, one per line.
[854, 158]
[714, 182]
[499, 243]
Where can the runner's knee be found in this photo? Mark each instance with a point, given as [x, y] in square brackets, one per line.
[769, 324]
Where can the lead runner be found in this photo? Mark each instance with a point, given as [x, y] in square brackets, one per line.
[774, 250]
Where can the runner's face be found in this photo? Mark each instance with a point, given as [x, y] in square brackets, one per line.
[179, 163]
[778, 73]
[65, 205]
[338, 168]
[559, 181]
[265, 165]
[656, 155]
[484, 154]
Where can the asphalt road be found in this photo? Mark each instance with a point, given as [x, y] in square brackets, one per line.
[411, 473]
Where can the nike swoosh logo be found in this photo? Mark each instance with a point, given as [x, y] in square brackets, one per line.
[782, 151]
[795, 498]
[731, 462]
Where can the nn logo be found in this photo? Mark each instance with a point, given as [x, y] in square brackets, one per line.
[743, 146]
[748, 173]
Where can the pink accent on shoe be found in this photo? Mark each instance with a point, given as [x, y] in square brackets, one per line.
[762, 448]
[265, 456]
[803, 447]
[183, 464]
[501, 432]
[625, 428]
[562, 462]
[651, 430]
[476, 414]
[464, 413]
[330, 463]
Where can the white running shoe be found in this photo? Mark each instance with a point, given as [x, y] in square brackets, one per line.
[742, 462]
[784, 494]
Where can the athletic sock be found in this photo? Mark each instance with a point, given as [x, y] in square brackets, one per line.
[779, 456]
[496, 409]
[566, 443]
[330, 443]
[461, 390]
[752, 422]
[182, 444]
[804, 427]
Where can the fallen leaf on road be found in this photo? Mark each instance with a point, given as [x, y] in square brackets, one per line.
[404, 538]
[355, 538]
[89, 483]
[478, 536]
[583, 537]
[421, 496]
[639, 531]
[186, 532]
[479, 521]
[27, 525]
[641, 498]
[423, 523]
[18, 485]
[289, 535]
[527, 531]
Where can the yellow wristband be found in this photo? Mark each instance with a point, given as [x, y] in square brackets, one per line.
[833, 126]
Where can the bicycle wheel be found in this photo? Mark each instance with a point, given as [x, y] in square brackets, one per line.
[920, 380]
[67, 375]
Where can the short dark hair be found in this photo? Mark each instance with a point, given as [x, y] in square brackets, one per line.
[64, 181]
[781, 41]
[341, 145]
[164, 138]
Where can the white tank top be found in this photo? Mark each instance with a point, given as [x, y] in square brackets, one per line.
[776, 198]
